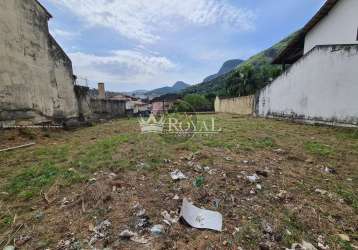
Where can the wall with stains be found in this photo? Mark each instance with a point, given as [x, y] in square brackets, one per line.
[36, 79]
[322, 86]
[240, 105]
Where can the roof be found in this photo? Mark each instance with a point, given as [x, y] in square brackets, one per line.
[43, 7]
[294, 49]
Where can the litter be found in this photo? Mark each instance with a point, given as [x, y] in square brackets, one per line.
[200, 218]
[253, 178]
[303, 246]
[157, 230]
[177, 175]
[129, 235]
[168, 219]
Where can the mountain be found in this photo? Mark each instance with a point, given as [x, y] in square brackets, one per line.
[225, 68]
[176, 88]
[248, 77]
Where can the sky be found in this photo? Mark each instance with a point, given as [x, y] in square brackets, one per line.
[146, 44]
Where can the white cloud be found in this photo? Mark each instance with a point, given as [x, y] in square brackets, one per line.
[63, 34]
[122, 67]
[142, 20]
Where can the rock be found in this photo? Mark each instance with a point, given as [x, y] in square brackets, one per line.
[280, 151]
[22, 240]
[258, 187]
[264, 246]
[39, 215]
[126, 234]
[344, 237]
[262, 173]
[321, 191]
[157, 230]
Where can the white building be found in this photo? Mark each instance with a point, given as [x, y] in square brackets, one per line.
[321, 85]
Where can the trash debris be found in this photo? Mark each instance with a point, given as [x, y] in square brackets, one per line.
[321, 243]
[253, 178]
[9, 248]
[344, 237]
[252, 191]
[199, 181]
[258, 187]
[267, 228]
[177, 175]
[18, 147]
[140, 240]
[200, 218]
[69, 243]
[330, 170]
[129, 235]
[280, 151]
[228, 158]
[216, 202]
[176, 197]
[157, 230]
[92, 180]
[168, 219]
[303, 246]
[198, 168]
[102, 231]
[22, 240]
[321, 191]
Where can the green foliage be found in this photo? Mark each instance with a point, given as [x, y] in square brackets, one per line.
[199, 181]
[193, 102]
[318, 148]
[248, 77]
[33, 179]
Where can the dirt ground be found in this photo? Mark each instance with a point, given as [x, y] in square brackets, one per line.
[80, 189]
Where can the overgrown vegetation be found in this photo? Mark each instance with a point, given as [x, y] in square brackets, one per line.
[249, 77]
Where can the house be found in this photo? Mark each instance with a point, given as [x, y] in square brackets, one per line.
[320, 85]
[162, 104]
[36, 78]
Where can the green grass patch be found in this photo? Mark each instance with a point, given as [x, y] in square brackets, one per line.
[318, 148]
[32, 180]
[349, 196]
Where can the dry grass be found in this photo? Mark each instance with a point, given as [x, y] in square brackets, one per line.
[62, 162]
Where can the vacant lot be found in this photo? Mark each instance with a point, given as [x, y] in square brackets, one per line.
[58, 193]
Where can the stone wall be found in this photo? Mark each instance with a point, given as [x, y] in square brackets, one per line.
[93, 109]
[36, 79]
[240, 105]
[321, 87]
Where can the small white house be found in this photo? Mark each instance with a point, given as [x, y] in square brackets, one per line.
[321, 83]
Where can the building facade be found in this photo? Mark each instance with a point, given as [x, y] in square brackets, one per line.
[36, 78]
[321, 85]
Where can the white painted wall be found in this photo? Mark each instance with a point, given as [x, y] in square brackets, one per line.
[338, 27]
[321, 86]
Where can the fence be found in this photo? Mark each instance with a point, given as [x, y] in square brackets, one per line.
[239, 105]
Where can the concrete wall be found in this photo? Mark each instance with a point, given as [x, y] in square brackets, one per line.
[240, 105]
[36, 80]
[340, 26]
[106, 109]
[321, 86]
